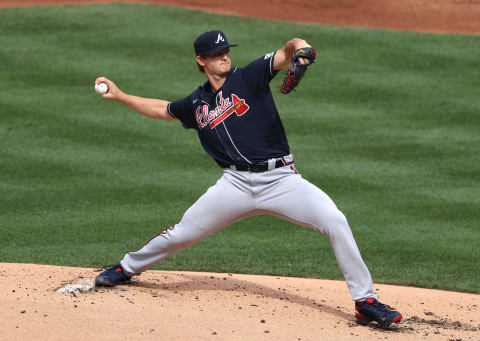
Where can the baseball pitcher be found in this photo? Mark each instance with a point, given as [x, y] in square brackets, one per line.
[238, 125]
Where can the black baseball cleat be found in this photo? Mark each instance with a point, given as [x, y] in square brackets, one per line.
[372, 310]
[112, 276]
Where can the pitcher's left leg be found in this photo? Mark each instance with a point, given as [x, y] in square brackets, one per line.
[297, 200]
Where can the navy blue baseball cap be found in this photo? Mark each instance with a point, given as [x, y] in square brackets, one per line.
[211, 42]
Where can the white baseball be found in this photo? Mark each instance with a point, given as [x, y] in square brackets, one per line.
[102, 88]
[96, 88]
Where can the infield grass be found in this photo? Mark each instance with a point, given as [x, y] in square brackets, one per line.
[387, 123]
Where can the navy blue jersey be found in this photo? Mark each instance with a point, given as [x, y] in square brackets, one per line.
[239, 123]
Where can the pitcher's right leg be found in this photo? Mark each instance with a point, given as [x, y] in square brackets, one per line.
[220, 206]
[297, 200]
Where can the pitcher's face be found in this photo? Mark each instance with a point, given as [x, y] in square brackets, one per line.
[218, 63]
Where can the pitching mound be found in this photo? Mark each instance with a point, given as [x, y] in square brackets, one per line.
[212, 306]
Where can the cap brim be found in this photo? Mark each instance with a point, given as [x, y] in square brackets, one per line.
[220, 48]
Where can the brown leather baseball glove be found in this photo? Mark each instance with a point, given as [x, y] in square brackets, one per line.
[295, 70]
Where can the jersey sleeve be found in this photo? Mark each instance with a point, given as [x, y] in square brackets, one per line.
[259, 73]
[183, 111]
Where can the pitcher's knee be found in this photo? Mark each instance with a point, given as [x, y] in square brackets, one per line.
[340, 218]
[172, 237]
[179, 236]
[339, 225]
[333, 223]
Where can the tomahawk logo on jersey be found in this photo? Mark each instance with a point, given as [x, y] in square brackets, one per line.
[239, 123]
[221, 112]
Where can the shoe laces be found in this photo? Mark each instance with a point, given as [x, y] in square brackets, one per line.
[376, 303]
[381, 306]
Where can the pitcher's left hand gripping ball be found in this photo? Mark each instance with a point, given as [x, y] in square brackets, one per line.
[296, 70]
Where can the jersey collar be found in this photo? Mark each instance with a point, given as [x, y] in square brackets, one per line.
[207, 91]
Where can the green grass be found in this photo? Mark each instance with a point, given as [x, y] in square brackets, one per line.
[387, 123]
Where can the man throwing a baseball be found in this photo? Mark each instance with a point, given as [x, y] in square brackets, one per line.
[238, 125]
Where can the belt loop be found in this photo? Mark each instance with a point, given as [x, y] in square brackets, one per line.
[288, 159]
[271, 164]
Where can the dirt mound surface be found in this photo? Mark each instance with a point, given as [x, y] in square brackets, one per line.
[460, 16]
[213, 306]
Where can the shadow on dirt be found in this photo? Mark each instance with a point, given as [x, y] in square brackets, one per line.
[409, 325]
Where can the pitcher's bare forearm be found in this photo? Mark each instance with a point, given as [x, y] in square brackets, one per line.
[285, 54]
[150, 107]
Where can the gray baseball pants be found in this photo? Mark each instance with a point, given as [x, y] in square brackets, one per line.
[280, 192]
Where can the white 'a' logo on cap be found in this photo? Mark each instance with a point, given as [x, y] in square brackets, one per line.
[219, 39]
